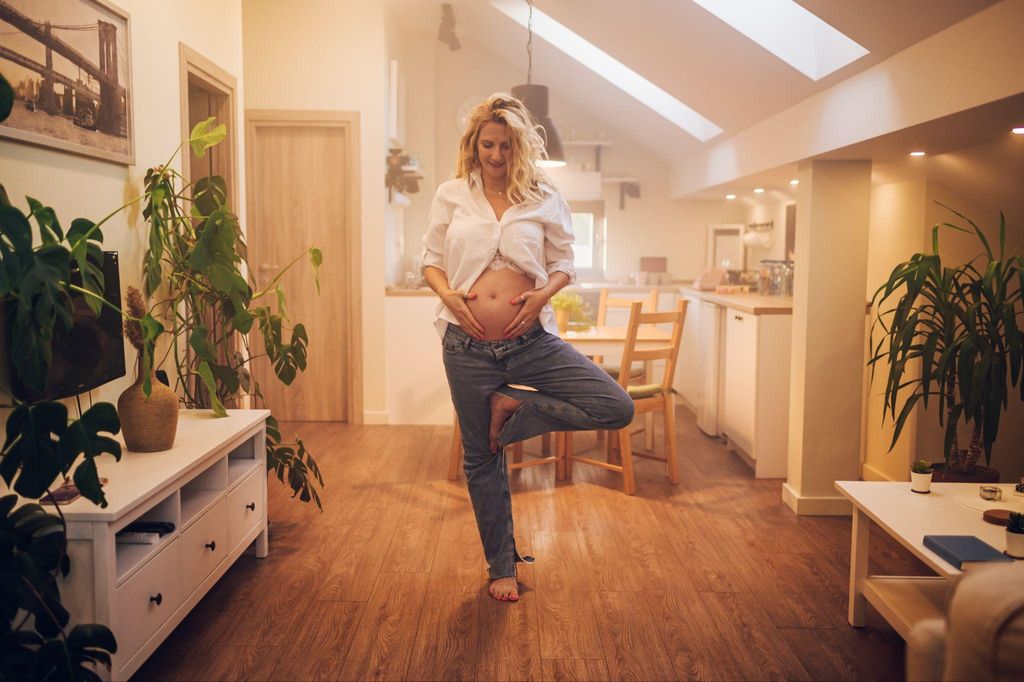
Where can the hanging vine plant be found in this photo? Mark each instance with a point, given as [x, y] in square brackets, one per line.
[195, 266]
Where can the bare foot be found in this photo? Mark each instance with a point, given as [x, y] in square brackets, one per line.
[504, 589]
[502, 407]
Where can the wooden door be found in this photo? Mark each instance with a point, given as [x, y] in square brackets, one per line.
[298, 173]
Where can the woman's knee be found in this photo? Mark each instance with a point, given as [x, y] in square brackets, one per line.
[618, 413]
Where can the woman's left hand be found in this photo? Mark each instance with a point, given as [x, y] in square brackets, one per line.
[533, 302]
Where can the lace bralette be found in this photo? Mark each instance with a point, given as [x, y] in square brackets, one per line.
[503, 262]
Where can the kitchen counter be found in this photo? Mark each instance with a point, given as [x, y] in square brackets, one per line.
[755, 304]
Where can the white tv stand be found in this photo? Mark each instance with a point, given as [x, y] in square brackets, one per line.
[212, 486]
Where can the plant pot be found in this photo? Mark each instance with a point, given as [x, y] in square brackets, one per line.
[562, 319]
[1015, 544]
[920, 483]
[148, 424]
[979, 474]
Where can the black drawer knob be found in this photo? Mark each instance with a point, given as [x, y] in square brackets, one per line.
[211, 545]
[251, 506]
[158, 599]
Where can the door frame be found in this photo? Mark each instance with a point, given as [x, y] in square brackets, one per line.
[348, 121]
[192, 63]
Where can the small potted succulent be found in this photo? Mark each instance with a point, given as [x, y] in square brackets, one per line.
[1015, 535]
[921, 476]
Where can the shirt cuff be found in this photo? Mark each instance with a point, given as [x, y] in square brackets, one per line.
[563, 266]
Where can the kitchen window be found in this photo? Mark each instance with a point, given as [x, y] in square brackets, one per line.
[588, 227]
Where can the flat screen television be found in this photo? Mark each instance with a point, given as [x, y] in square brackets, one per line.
[91, 352]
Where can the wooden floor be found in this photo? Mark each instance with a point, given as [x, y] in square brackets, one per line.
[711, 579]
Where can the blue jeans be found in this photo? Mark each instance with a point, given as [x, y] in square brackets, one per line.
[572, 394]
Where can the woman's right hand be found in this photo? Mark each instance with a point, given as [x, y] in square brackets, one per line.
[455, 301]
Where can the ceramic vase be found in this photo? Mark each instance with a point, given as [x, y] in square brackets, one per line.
[920, 483]
[148, 424]
[1015, 544]
[562, 319]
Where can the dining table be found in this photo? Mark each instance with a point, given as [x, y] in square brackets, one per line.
[610, 342]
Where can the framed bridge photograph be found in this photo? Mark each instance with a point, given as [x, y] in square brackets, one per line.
[69, 62]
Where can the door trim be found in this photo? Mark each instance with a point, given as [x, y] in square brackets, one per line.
[349, 122]
[192, 63]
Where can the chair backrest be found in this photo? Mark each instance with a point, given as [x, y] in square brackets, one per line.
[606, 302]
[669, 351]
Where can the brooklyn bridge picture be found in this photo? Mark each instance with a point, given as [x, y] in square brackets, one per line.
[69, 62]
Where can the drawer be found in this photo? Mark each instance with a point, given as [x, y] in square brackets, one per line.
[203, 546]
[146, 600]
[245, 507]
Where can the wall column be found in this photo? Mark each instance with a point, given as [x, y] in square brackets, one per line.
[826, 376]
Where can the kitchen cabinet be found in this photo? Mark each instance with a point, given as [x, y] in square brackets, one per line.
[735, 367]
[755, 390]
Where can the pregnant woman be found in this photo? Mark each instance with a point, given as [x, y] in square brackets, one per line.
[499, 245]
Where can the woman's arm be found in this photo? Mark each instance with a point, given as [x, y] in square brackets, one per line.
[454, 300]
[558, 258]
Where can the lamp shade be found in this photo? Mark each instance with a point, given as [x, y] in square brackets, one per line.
[535, 98]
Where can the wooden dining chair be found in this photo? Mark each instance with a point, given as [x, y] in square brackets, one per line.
[646, 397]
[604, 303]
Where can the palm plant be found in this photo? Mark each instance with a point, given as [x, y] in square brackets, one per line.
[962, 324]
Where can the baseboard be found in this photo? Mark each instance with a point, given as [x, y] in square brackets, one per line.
[375, 417]
[815, 506]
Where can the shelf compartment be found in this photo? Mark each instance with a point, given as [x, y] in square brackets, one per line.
[202, 492]
[130, 557]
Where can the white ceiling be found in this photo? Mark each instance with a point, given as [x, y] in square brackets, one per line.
[686, 51]
[972, 152]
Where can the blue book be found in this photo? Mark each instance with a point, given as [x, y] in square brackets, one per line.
[956, 549]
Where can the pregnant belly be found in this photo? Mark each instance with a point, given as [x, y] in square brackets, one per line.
[491, 308]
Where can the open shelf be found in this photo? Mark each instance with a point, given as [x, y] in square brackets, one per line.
[130, 557]
[239, 469]
[904, 601]
[202, 491]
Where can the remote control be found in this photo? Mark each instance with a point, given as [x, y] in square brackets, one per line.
[133, 538]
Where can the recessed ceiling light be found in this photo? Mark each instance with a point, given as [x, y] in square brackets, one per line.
[609, 68]
[1018, 130]
[730, 197]
[790, 32]
[794, 182]
[917, 153]
[758, 190]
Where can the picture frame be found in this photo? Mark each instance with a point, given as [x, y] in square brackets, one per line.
[69, 62]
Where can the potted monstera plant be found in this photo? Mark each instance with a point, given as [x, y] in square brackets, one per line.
[953, 337]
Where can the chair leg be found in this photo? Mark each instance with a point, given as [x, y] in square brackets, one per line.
[670, 440]
[626, 453]
[455, 457]
[563, 465]
[545, 444]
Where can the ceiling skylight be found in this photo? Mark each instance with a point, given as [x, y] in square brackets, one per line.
[790, 32]
[609, 68]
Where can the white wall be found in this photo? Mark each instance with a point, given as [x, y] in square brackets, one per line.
[82, 187]
[324, 55]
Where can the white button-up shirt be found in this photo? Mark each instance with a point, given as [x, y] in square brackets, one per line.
[465, 234]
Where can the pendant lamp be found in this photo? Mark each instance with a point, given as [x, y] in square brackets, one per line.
[535, 98]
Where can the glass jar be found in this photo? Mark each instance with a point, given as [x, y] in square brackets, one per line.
[787, 288]
[764, 277]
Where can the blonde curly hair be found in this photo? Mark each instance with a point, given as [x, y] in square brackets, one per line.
[526, 146]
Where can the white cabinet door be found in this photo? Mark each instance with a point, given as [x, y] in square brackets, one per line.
[740, 386]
